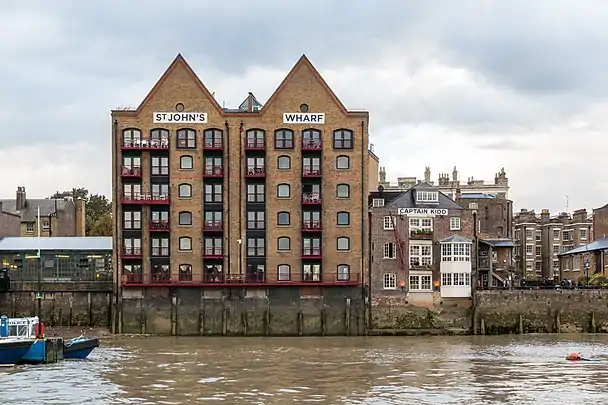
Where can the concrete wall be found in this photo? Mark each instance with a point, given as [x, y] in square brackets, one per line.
[242, 312]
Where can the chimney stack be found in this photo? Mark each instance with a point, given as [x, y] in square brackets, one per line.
[579, 216]
[544, 216]
[80, 216]
[21, 198]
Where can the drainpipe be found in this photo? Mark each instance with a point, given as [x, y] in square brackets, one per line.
[240, 182]
[363, 201]
[476, 268]
[228, 173]
[117, 241]
[370, 318]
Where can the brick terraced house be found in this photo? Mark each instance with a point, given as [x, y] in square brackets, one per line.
[260, 195]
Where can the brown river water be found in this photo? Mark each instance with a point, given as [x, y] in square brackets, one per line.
[376, 370]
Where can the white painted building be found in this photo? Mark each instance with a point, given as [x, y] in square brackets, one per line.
[455, 267]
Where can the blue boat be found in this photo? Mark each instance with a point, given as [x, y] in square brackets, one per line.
[16, 340]
[12, 351]
[79, 347]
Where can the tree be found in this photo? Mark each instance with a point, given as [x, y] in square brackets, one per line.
[98, 210]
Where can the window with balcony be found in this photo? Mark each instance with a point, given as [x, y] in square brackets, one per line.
[311, 192]
[283, 218]
[256, 220]
[343, 273]
[421, 283]
[213, 166]
[343, 191]
[131, 191]
[343, 218]
[159, 217]
[213, 247]
[283, 272]
[255, 193]
[343, 139]
[186, 162]
[311, 139]
[311, 166]
[343, 244]
[283, 139]
[388, 223]
[160, 247]
[311, 246]
[342, 162]
[283, 191]
[133, 272]
[455, 252]
[185, 244]
[256, 166]
[131, 246]
[311, 219]
[131, 163]
[283, 244]
[284, 162]
[185, 272]
[160, 273]
[185, 218]
[425, 224]
[131, 136]
[255, 139]
[213, 220]
[311, 272]
[256, 247]
[186, 138]
[389, 281]
[389, 251]
[131, 219]
[160, 136]
[184, 190]
[159, 166]
[160, 190]
[213, 193]
[421, 255]
[212, 138]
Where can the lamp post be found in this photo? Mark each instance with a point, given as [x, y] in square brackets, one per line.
[586, 266]
[240, 242]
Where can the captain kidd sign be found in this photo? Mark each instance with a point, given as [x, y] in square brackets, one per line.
[422, 212]
[180, 118]
[304, 118]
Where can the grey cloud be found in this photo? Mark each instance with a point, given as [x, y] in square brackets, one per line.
[503, 144]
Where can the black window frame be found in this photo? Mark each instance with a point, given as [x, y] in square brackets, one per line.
[179, 218]
[284, 213]
[132, 220]
[284, 139]
[343, 139]
[213, 193]
[288, 188]
[179, 190]
[160, 166]
[256, 224]
[257, 241]
[347, 162]
[338, 244]
[288, 158]
[284, 265]
[185, 138]
[181, 162]
[283, 238]
[209, 134]
[347, 189]
[258, 197]
[179, 244]
[338, 218]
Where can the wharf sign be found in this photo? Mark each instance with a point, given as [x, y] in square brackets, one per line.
[422, 212]
[303, 118]
[180, 118]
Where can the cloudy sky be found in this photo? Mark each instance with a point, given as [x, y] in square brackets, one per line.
[475, 84]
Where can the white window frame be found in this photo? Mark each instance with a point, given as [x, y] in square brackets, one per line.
[538, 251]
[454, 223]
[421, 223]
[455, 252]
[538, 235]
[473, 206]
[529, 249]
[421, 254]
[556, 249]
[584, 231]
[389, 250]
[576, 263]
[557, 235]
[185, 244]
[427, 196]
[389, 222]
[529, 234]
[378, 202]
[389, 281]
[417, 282]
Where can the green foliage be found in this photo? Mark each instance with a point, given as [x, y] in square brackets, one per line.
[98, 210]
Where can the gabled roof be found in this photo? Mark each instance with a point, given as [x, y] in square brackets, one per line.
[407, 199]
[387, 196]
[249, 104]
[30, 213]
[60, 243]
[600, 244]
[456, 239]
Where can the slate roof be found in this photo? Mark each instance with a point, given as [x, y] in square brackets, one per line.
[456, 239]
[67, 243]
[600, 244]
[408, 199]
[29, 214]
[477, 196]
[503, 242]
[388, 196]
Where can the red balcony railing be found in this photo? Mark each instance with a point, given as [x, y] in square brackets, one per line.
[213, 144]
[312, 144]
[130, 171]
[213, 226]
[255, 144]
[311, 198]
[312, 253]
[213, 253]
[337, 279]
[311, 226]
[131, 253]
[132, 278]
[159, 226]
[311, 171]
[213, 171]
[253, 171]
[145, 144]
[145, 199]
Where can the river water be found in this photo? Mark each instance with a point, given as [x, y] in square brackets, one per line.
[380, 370]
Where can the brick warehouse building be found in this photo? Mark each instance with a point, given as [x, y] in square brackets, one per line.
[255, 196]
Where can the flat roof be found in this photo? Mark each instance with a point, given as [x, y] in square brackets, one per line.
[83, 243]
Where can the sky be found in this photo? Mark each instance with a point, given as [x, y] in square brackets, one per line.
[479, 85]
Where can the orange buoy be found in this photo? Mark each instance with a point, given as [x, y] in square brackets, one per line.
[574, 357]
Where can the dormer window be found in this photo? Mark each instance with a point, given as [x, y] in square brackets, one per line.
[427, 196]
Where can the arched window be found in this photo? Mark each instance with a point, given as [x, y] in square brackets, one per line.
[185, 218]
[283, 191]
[311, 139]
[283, 162]
[186, 162]
[283, 139]
[343, 139]
[255, 139]
[343, 243]
[185, 190]
[284, 243]
[283, 218]
[131, 137]
[283, 272]
[343, 191]
[343, 272]
[185, 272]
[342, 162]
[185, 243]
[159, 135]
[213, 139]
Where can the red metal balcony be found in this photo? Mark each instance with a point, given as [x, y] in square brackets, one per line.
[213, 226]
[159, 226]
[145, 144]
[130, 171]
[311, 226]
[311, 198]
[145, 199]
[312, 144]
[253, 171]
[130, 253]
[312, 253]
[311, 171]
[213, 253]
[213, 144]
[255, 144]
[213, 171]
[132, 278]
[333, 279]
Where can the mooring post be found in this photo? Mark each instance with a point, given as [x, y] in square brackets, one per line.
[521, 324]
[482, 327]
[267, 320]
[224, 317]
[593, 328]
[300, 323]
[347, 317]
[558, 322]
[173, 315]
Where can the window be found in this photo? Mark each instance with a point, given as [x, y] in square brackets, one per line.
[537, 265]
[583, 233]
[45, 224]
[420, 283]
[473, 206]
[455, 252]
[185, 243]
[213, 193]
[213, 166]
[283, 272]
[567, 235]
[256, 220]
[160, 216]
[283, 191]
[389, 281]
[529, 234]
[343, 191]
[186, 138]
[131, 246]
[185, 218]
[160, 190]
[311, 138]
[255, 138]
[455, 279]
[159, 166]
[537, 250]
[213, 246]
[256, 247]
[283, 218]
[538, 236]
[283, 139]
[130, 137]
[255, 193]
[421, 224]
[343, 139]
[427, 196]
[213, 219]
[185, 272]
[556, 234]
[390, 251]
[212, 138]
[129, 191]
[342, 162]
[311, 272]
[454, 224]
[389, 223]
[421, 255]
[131, 162]
[343, 272]
[311, 246]
[311, 166]
[132, 220]
[311, 220]
[283, 243]
[556, 249]
[378, 202]
[343, 218]
[160, 246]
[343, 243]
[284, 162]
[446, 279]
[186, 162]
[160, 135]
[185, 191]
[529, 249]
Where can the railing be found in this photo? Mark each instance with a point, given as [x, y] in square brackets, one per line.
[159, 226]
[311, 171]
[421, 234]
[128, 252]
[213, 253]
[130, 171]
[213, 144]
[144, 144]
[255, 144]
[329, 278]
[313, 253]
[414, 265]
[253, 171]
[311, 225]
[145, 198]
[213, 226]
[312, 144]
[213, 171]
[311, 198]
[219, 278]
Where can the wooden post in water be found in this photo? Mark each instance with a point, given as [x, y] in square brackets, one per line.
[347, 318]
[482, 327]
[224, 317]
[244, 323]
[593, 328]
[300, 323]
[173, 315]
[558, 321]
[323, 322]
[521, 324]
[267, 320]
[201, 316]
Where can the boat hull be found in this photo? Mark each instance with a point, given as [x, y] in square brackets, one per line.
[13, 351]
[80, 349]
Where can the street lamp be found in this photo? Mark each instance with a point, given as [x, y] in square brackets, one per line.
[240, 242]
[586, 266]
